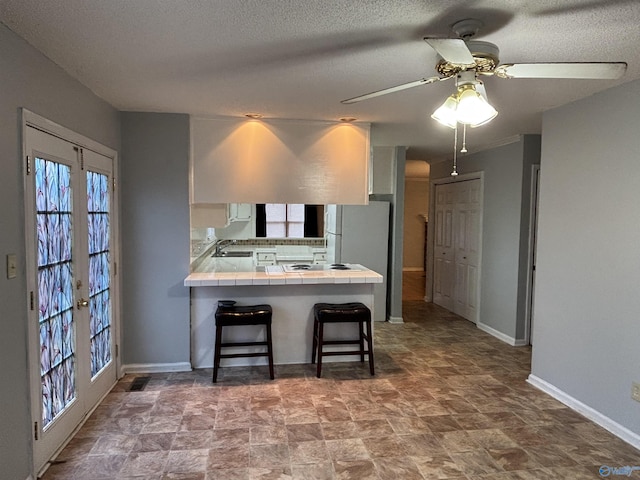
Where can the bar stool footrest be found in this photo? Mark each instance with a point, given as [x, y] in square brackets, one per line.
[240, 355]
[353, 352]
[244, 344]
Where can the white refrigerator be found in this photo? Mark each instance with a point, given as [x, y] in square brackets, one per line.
[360, 234]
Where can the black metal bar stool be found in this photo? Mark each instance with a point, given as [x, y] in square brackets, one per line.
[342, 313]
[230, 315]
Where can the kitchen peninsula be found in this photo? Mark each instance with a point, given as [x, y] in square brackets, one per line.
[291, 291]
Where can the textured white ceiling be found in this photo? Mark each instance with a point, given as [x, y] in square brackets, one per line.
[298, 59]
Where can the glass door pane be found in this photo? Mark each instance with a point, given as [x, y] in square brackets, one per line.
[54, 226]
[99, 271]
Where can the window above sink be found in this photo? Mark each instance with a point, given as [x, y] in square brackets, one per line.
[289, 220]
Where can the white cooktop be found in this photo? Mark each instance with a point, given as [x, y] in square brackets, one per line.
[306, 267]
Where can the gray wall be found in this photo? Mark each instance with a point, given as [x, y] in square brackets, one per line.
[505, 229]
[586, 326]
[397, 220]
[155, 238]
[29, 80]
[396, 199]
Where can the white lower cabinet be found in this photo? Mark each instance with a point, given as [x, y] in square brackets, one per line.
[319, 258]
[265, 258]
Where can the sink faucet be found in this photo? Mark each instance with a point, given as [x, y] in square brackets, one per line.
[221, 244]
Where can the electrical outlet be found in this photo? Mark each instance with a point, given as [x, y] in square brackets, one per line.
[635, 391]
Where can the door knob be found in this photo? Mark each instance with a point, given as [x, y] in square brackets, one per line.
[82, 303]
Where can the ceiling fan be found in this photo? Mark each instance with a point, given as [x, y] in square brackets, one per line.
[465, 59]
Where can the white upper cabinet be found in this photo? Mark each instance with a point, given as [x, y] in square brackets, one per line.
[239, 212]
[279, 161]
[211, 215]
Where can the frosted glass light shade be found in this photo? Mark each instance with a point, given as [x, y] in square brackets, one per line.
[446, 113]
[472, 108]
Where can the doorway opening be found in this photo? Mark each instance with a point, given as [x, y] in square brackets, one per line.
[414, 239]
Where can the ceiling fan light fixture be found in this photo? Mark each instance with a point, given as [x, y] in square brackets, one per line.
[446, 113]
[473, 109]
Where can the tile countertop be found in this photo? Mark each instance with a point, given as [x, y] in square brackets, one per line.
[204, 262]
[259, 276]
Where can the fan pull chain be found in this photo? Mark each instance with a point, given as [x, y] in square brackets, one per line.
[464, 139]
[455, 151]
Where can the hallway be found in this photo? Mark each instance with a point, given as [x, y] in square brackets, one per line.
[448, 402]
[413, 285]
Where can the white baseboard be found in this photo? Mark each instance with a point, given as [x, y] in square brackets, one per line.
[501, 336]
[156, 367]
[593, 415]
[396, 320]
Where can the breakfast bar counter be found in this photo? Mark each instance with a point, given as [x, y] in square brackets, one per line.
[292, 293]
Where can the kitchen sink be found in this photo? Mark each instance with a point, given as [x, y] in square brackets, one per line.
[233, 254]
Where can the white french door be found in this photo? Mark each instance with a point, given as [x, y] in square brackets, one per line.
[70, 255]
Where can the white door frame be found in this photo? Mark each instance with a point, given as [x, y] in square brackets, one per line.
[428, 297]
[30, 119]
[531, 259]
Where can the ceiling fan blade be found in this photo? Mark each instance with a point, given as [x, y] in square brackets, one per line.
[453, 50]
[397, 88]
[602, 70]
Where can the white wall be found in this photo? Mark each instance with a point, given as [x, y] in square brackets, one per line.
[279, 161]
[587, 304]
[28, 79]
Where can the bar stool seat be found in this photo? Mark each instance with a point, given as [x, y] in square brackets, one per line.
[324, 313]
[228, 314]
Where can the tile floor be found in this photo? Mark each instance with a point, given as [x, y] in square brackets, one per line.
[447, 402]
[413, 285]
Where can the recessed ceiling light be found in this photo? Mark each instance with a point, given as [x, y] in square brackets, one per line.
[253, 115]
[348, 119]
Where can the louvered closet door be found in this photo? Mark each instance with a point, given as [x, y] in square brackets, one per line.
[69, 262]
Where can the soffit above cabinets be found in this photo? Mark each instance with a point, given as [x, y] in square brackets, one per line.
[279, 161]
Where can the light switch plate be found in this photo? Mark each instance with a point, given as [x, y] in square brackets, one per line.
[12, 266]
[635, 391]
